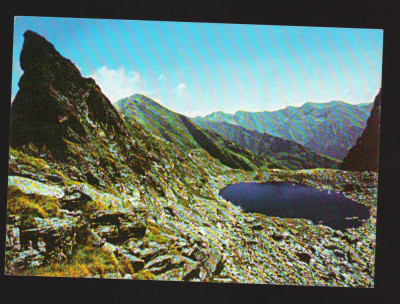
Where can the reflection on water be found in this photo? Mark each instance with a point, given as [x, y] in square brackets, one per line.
[293, 200]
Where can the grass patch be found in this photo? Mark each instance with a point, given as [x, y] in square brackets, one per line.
[38, 165]
[59, 270]
[31, 204]
[93, 206]
[26, 159]
[144, 275]
[153, 234]
[96, 260]
[86, 260]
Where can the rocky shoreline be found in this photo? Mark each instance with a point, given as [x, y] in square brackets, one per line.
[198, 236]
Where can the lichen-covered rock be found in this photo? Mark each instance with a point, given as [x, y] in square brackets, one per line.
[118, 226]
[33, 242]
[30, 186]
[150, 253]
[213, 262]
[173, 267]
[165, 263]
[13, 232]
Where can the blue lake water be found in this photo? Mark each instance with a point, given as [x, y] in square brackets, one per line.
[293, 200]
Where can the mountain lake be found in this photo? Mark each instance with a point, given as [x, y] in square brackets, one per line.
[294, 200]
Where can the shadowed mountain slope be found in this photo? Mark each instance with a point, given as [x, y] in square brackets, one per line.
[288, 153]
[364, 156]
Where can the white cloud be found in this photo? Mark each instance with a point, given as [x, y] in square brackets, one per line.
[180, 89]
[194, 113]
[161, 77]
[118, 84]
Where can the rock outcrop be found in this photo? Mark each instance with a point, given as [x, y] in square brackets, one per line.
[62, 115]
[34, 242]
[364, 156]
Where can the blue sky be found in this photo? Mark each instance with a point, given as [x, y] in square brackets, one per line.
[199, 68]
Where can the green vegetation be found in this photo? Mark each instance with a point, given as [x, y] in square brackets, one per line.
[31, 204]
[59, 270]
[93, 206]
[144, 275]
[153, 234]
[156, 119]
[36, 165]
[86, 260]
[179, 130]
[232, 145]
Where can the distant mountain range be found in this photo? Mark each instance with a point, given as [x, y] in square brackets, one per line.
[233, 145]
[329, 129]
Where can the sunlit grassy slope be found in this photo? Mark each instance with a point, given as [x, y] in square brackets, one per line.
[234, 146]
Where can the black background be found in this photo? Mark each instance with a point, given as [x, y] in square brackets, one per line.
[356, 14]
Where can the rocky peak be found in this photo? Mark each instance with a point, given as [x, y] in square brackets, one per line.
[364, 156]
[54, 101]
[37, 52]
[62, 115]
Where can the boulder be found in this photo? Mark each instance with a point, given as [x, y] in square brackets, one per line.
[304, 257]
[257, 227]
[35, 241]
[164, 263]
[74, 196]
[30, 186]
[108, 232]
[154, 251]
[212, 261]
[136, 263]
[117, 226]
[174, 267]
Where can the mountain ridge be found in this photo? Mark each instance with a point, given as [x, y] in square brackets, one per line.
[168, 124]
[306, 104]
[324, 120]
[179, 130]
[64, 116]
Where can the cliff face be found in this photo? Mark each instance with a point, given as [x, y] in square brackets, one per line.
[364, 156]
[54, 100]
[65, 117]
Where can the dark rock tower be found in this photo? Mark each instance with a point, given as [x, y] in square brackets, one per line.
[364, 156]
